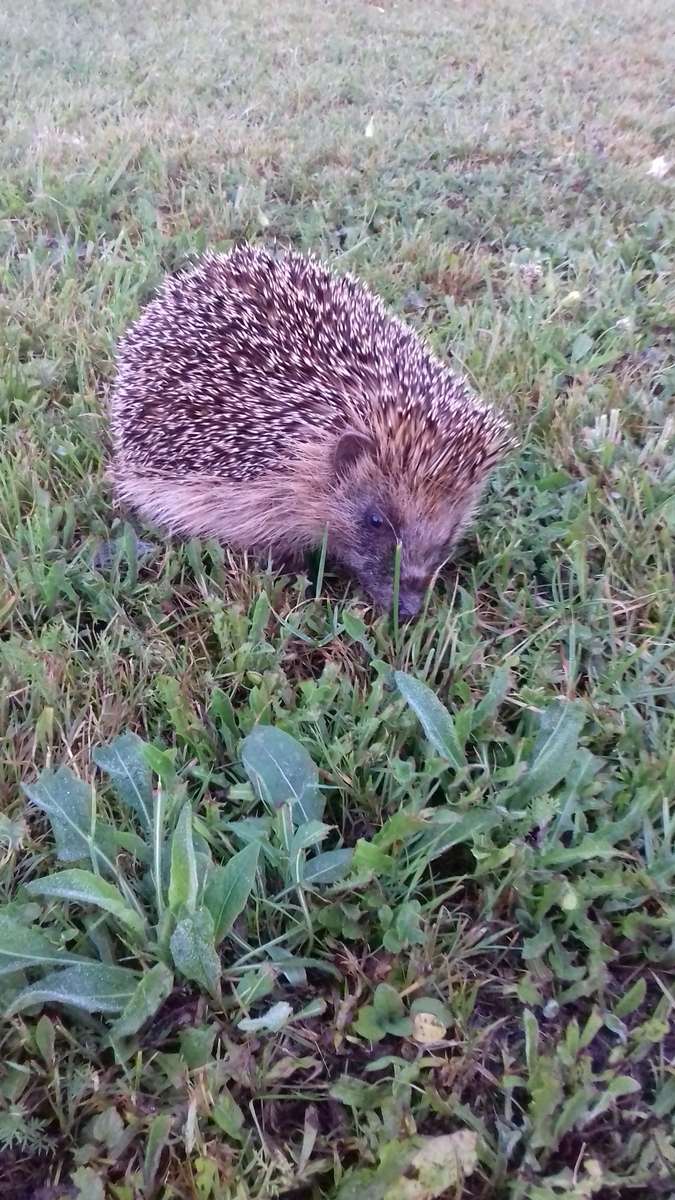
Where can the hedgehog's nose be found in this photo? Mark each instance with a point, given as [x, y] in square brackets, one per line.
[409, 604]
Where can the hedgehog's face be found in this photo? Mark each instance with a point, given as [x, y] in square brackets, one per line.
[376, 513]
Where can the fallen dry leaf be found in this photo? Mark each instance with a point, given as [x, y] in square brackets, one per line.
[440, 1163]
[427, 1028]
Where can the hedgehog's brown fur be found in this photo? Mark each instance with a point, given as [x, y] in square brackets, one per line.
[265, 400]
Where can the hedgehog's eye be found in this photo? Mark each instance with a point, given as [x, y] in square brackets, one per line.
[375, 520]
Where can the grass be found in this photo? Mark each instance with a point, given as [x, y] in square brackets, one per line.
[493, 971]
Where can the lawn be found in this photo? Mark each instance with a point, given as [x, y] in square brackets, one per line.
[295, 902]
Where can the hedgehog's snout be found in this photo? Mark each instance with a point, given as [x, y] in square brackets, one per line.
[410, 597]
[409, 602]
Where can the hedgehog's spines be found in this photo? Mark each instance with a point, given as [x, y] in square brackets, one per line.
[241, 357]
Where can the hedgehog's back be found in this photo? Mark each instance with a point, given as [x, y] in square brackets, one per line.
[246, 354]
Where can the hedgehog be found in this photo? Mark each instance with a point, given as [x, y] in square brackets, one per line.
[267, 401]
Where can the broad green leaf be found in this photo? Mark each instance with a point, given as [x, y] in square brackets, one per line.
[368, 1024]
[194, 953]
[448, 828]
[532, 1038]
[112, 841]
[554, 750]
[254, 986]
[311, 833]
[259, 618]
[288, 965]
[126, 762]
[487, 707]
[581, 347]
[152, 989]
[86, 888]
[620, 1085]
[183, 879]
[93, 987]
[632, 999]
[206, 1174]
[591, 1029]
[196, 1046]
[593, 845]
[221, 707]
[390, 1010]
[281, 771]
[369, 858]
[539, 943]
[354, 1093]
[22, 947]
[385, 1015]
[108, 1129]
[227, 1115]
[67, 801]
[667, 513]
[327, 868]
[404, 929]
[89, 1184]
[356, 629]
[163, 763]
[433, 717]
[229, 887]
[623, 1085]
[398, 830]
[388, 1003]
[203, 862]
[664, 1098]
[158, 1136]
[579, 777]
[45, 1039]
[250, 829]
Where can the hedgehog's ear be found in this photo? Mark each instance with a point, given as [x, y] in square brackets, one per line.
[351, 447]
